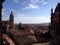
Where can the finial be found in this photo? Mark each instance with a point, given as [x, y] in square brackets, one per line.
[51, 10]
[11, 12]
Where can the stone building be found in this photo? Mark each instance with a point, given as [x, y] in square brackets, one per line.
[11, 21]
[6, 24]
[55, 20]
[9, 24]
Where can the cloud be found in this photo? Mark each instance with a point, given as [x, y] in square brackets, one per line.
[16, 1]
[27, 19]
[4, 15]
[43, 2]
[3, 11]
[35, 1]
[28, 4]
[32, 6]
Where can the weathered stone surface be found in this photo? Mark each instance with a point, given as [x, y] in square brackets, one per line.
[55, 20]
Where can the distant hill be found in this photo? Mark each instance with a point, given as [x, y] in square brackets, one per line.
[42, 24]
[45, 24]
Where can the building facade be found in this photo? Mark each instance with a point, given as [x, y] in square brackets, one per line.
[55, 20]
[9, 24]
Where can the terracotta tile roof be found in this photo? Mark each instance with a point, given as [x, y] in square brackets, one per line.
[25, 36]
[16, 32]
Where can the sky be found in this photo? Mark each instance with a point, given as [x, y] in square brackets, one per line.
[29, 11]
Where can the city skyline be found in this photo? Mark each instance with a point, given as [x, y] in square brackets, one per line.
[29, 11]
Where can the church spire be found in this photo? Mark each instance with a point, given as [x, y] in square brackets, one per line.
[11, 20]
[11, 15]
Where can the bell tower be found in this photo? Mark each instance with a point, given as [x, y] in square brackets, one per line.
[1, 2]
[11, 21]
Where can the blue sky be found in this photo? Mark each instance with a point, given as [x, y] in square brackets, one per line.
[28, 11]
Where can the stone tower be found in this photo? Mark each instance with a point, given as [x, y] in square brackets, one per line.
[1, 1]
[55, 20]
[11, 21]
